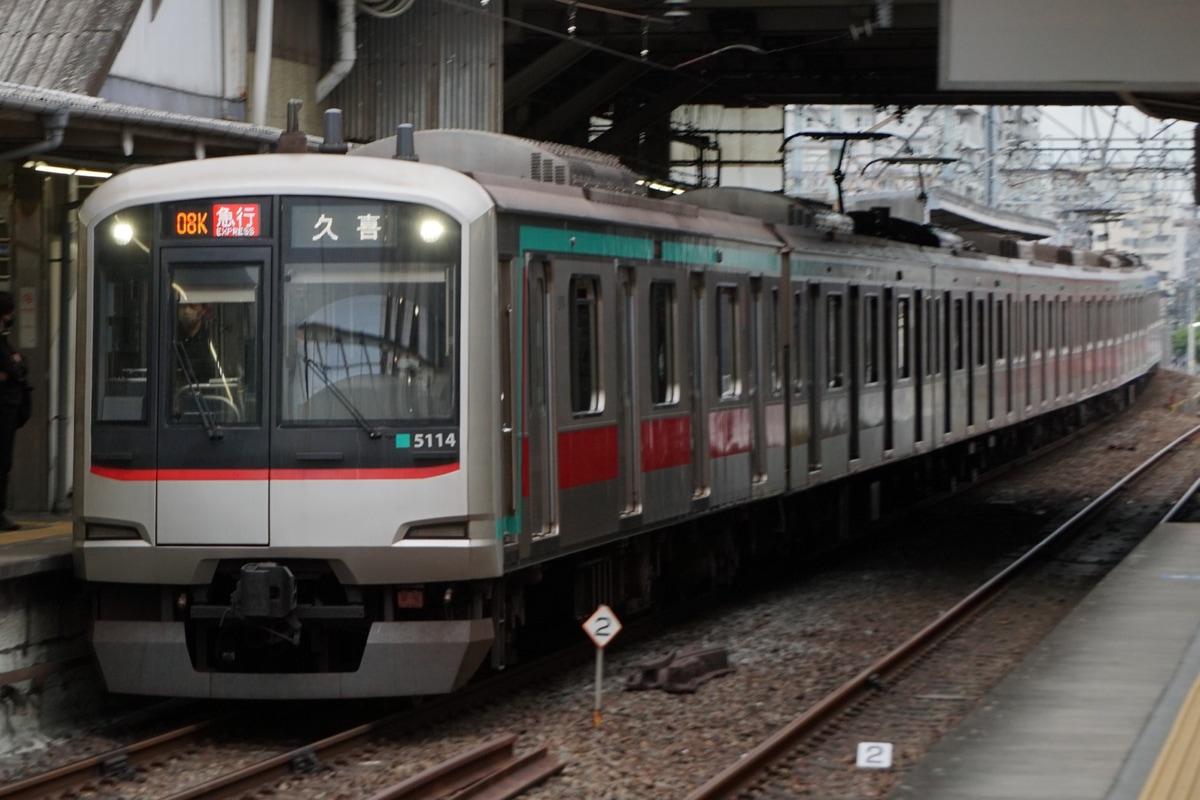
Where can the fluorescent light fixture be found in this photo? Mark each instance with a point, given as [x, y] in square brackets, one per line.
[660, 187]
[42, 166]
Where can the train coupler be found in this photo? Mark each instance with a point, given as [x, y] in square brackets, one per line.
[265, 590]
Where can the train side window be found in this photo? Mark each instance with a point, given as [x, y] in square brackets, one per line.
[1001, 328]
[903, 365]
[800, 345]
[776, 373]
[122, 326]
[871, 345]
[664, 387]
[1035, 327]
[933, 315]
[584, 335]
[833, 339]
[959, 335]
[981, 341]
[729, 385]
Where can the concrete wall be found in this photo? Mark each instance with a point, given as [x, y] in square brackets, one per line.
[43, 623]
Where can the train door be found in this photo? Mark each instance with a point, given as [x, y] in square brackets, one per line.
[833, 413]
[542, 509]
[991, 357]
[730, 416]
[800, 419]
[212, 444]
[1064, 343]
[812, 349]
[701, 475]
[869, 377]
[854, 382]
[892, 349]
[509, 405]
[756, 371]
[1007, 353]
[980, 362]
[945, 348]
[586, 398]
[665, 401]
[770, 463]
[920, 360]
[630, 500]
[969, 348]
[1036, 316]
[899, 384]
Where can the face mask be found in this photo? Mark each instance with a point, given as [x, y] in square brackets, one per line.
[189, 316]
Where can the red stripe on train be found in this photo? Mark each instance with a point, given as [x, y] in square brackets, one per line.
[728, 432]
[587, 456]
[399, 473]
[666, 443]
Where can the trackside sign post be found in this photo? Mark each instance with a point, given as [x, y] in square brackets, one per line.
[600, 627]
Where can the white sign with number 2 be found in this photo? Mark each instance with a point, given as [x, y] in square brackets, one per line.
[875, 755]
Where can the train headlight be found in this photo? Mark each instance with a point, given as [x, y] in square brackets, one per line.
[109, 532]
[122, 233]
[432, 231]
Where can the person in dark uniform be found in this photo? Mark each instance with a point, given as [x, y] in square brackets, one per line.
[13, 392]
[194, 336]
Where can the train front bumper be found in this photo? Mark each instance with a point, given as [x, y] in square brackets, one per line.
[401, 659]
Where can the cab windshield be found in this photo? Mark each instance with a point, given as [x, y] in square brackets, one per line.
[369, 295]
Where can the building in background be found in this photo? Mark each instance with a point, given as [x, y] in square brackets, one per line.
[1104, 178]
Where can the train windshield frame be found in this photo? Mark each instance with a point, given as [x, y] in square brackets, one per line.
[369, 304]
[361, 306]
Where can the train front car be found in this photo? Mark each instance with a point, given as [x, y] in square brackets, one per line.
[272, 490]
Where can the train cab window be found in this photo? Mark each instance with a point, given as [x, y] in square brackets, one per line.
[903, 360]
[370, 312]
[584, 335]
[729, 385]
[122, 322]
[664, 386]
[215, 345]
[834, 367]
[871, 343]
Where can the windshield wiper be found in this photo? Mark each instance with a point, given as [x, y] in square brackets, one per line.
[193, 383]
[341, 396]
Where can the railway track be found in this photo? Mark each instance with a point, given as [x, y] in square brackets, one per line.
[755, 772]
[489, 772]
[659, 745]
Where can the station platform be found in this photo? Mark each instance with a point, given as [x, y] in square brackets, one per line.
[43, 544]
[1106, 708]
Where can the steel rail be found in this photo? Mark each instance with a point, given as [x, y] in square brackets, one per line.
[114, 762]
[743, 773]
[488, 772]
[311, 756]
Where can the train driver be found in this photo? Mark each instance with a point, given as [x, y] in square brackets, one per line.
[194, 343]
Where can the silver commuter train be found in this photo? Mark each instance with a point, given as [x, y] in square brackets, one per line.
[438, 401]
